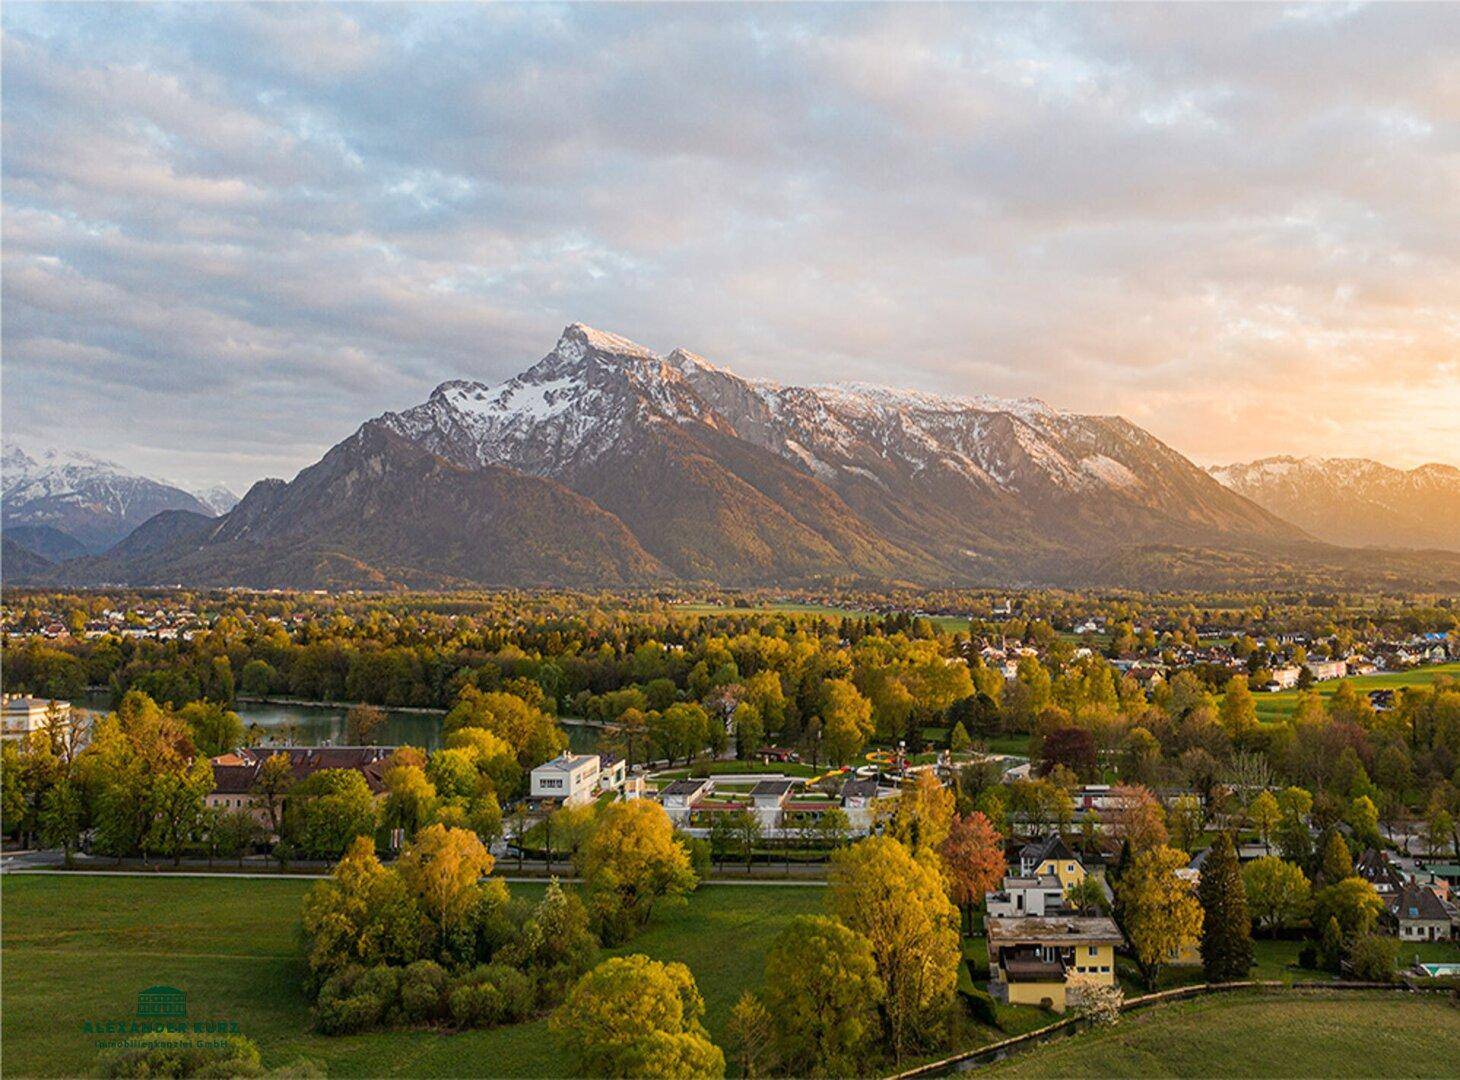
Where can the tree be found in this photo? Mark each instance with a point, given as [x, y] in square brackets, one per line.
[749, 1036]
[923, 815]
[1072, 747]
[1159, 911]
[1336, 862]
[216, 730]
[1352, 903]
[629, 863]
[973, 861]
[1265, 814]
[234, 832]
[1226, 927]
[900, 904]
[274, 780]
[1372, 958]
[61, 818]
[1086, 896]
[1185, 821]
[176, 803]
[327, 811]
[958, 739]
[822, 990]
[361, 724]
[1137, 817]
[846, 720]
[634, 1017]
[1238, 711]
[410, 798]
[749, 730]
[1295, 842]
[1278, 894]
[1363, 818]
[443, 868]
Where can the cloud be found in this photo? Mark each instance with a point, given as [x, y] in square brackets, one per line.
[233, 232]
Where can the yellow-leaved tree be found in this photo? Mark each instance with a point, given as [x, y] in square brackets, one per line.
[1159, 911]
[630, 861]
[900, 905]
[635, 1017]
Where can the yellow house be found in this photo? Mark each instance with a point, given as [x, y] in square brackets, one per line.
[1037, 961]
[1051, 857]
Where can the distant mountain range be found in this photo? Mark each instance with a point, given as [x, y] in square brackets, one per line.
[61, 505]
[1354, 501]
[606, 464]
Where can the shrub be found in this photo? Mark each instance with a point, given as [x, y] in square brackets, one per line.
[1372, 958]
[491, 994]
[981, 1006]
[357, 999]
[423, 992]
[1308, 957]
[174, 1055]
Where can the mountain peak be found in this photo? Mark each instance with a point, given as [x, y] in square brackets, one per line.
[577, 339]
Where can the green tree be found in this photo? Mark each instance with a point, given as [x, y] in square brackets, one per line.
[1278, 894]
[635, 1017]
[749, 730]
[1226, 927]
[1352, 903]
[822, 990]
[1336, 862]
[629, 863]
[749, 1036]
[1265, 815]
[846, 720]
[216, 730]
[61, 818]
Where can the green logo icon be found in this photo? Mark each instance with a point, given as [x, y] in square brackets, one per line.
[162, 1001]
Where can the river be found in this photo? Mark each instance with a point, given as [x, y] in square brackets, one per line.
[269, 722]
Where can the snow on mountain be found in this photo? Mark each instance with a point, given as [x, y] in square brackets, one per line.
[1355, 501]
[90, 499]
[219, 498]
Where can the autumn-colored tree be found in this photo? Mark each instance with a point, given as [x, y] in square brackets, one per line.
[1159, 911]
[362, 915]
[362, 723]
[973, 861]
[1136, 816]
[410, 798]
[900, 904]
[1278, 894]
[923, 814]
[1185, 819]
[1336, 862]
[443, 868]
[272, 784]
[1353, 903]
[1238, 711]
[635, 1017]
[822, 990]
[750, 1036]
[631, 861]
[846, 719]
[1072, 747]
[1226, 927]
[1264, 814]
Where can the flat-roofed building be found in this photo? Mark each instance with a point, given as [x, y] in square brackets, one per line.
[1040, 961]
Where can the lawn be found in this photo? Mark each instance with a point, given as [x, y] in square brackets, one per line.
[1280, 706]
[80, 948]
[1298, 1033]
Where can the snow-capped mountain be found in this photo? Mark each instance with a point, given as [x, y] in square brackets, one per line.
[93, 501]
[896, 482]
[1354, 500]
[219, 498]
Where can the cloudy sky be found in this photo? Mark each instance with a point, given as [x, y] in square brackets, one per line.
[232, 233]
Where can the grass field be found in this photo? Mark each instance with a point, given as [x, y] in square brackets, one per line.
[1280, 706]
[1250, 1035]
[80, 948]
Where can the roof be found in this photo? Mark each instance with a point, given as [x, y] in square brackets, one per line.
[1052, 846]
[239, 770]
[1421, 903]
[1052, 930]
[684, 787]
[566, 763]
[864, 789]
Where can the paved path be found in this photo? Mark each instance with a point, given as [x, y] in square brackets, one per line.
[226, 874]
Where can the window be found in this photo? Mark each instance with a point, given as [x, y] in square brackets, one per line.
[1094, 950]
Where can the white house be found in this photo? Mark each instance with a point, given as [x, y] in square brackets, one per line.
[1323, 670]
[679, 798]
[569, 778]
[25, 715]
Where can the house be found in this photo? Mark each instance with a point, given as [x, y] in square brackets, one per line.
[1323, 670]
[1283, 678]
[859, 800]
[1375, 868]
[1027, 895]
[679, 798]
[1050, 856]
[573, 779]
[236, 774]
[23, 716]
[1420, 914]
[1039, 961]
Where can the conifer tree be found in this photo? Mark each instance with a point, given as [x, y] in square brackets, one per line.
[1226, 929]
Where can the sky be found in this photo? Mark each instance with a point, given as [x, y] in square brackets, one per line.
[233, 233]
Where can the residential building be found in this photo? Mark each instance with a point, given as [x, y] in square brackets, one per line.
[1323, 670]
[236, 774]
[679, 797]
[1050, 856]
[1040, 961]
[572, 779]
[23, 716]
[1375, 868]
[1420, 914]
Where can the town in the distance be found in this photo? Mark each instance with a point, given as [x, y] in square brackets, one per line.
[705, 832]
